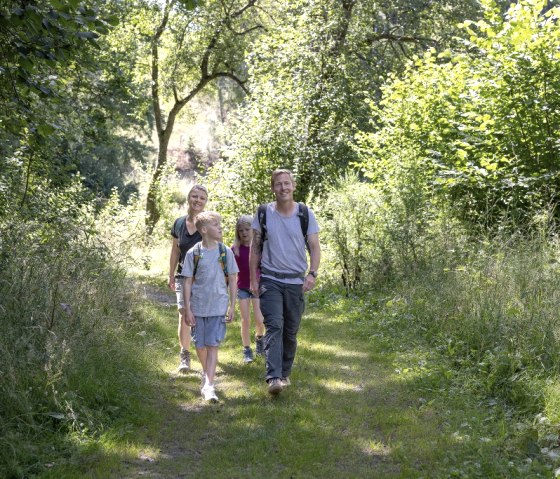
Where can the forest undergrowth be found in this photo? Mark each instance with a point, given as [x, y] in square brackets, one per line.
[443, 367]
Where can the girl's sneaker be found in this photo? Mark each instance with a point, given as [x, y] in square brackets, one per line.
[248, 355]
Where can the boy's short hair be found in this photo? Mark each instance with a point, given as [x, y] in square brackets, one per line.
[278, 172]
[205, 217]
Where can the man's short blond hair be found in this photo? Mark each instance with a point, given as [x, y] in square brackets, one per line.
[281, 171]
[206, 217]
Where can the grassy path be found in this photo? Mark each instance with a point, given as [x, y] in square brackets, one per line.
[357, 408]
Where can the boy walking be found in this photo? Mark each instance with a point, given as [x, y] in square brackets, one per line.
[210, 291]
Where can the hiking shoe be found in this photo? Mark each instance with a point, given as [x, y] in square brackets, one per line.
[185, 364]
[209, 394]
[285, 382]
[274, 386]
[247, 355]
[259, 345]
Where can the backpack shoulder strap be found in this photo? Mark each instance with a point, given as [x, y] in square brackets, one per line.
[261, 215]
[303, 213]
[196, 257]
[223, 260]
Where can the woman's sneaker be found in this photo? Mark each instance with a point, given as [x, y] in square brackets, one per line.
[185, 361]
[248, 355]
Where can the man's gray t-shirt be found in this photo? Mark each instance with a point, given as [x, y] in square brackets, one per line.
[284, 250]
[209, 292]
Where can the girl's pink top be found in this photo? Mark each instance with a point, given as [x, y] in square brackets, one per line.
[242, 258]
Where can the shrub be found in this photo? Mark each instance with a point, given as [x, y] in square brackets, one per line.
[65, 312]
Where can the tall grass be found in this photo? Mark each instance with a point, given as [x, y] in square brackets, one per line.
[496, 312]
[66, 313]
[489, 300]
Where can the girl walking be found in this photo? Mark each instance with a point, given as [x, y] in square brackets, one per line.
[241, 248]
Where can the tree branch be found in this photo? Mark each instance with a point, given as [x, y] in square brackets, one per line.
[245, 32]
[160, 127]
[214, 40]
[235, 78]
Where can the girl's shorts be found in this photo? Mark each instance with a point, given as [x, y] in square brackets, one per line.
[208, 331]
[243, 293]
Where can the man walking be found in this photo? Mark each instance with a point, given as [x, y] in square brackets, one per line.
[283, 230]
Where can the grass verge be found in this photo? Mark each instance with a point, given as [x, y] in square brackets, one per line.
[368, 399]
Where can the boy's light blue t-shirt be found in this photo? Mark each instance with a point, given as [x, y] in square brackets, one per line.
[209, 293]
[284, 250]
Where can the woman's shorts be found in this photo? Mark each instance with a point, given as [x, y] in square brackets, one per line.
[208, 331]
[243, 293]
[179, 291]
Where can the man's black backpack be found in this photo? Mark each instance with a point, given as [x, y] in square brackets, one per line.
[303, 213]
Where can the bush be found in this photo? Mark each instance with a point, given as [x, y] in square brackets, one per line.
[493, 309]
[65, 312]
[480, 119]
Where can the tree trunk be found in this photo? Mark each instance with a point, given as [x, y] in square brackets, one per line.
[165, 128]
[152, 201]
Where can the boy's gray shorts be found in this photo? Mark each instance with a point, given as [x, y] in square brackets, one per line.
[208, 331]
[179, 291]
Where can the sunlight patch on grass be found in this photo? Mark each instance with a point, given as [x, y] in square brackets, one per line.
[334, 385]
[333, 349]
[128, 450]
[373, 448]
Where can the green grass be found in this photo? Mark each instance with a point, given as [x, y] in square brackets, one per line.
[366, 401]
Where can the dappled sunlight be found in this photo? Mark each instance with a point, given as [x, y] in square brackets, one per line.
[372, 447]
[334, 349]
[349, 409]
[337, 386]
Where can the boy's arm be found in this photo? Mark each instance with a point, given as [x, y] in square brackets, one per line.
[232, 287]
[255, 260]
[187, 287]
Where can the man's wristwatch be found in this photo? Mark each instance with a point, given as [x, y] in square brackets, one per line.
[313, 273]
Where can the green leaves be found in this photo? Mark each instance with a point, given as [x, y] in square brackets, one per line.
[191, 4]
[491, 113]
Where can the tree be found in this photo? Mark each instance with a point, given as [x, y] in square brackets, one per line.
[65, 104]
[312, 75]
[191, 46]
[478, 124]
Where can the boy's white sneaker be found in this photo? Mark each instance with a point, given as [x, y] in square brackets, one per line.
[209, 393]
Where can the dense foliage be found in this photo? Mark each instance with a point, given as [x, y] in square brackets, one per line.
[410, 137]
[65, 101]
[309, 77]
[478, 126]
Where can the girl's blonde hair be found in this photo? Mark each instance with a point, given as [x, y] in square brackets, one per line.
[244, 220]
